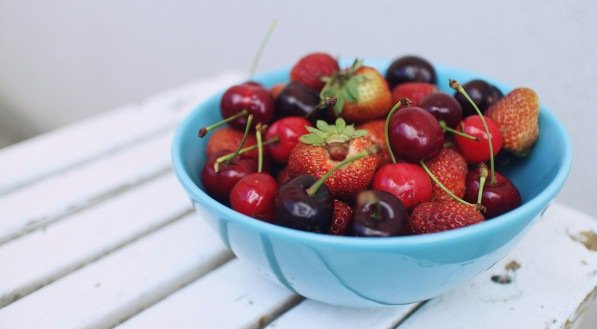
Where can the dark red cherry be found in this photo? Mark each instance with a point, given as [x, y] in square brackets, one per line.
[481, 92]
[297, 99]
[254, 194]
[295, 208]
[410, 69]
[287, 130]
[379, 214]
[218, 184]
[498, 197]
[415, 134]
[443, 107]
[251, 97]
[476, 151]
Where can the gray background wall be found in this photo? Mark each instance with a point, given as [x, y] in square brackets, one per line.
[61, 60]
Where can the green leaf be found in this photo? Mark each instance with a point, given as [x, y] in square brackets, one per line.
[315, 131]
[360, 133]
[339, 106]
[349, 130]
[322, 125]
[340, 125]
[312, 139]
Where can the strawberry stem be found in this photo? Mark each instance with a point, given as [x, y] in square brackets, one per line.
[268, 34]
[458, 87]
[445, 127]
[482, 179]
[443, 187]
[368, 151]
[203, 131]
[401, 102]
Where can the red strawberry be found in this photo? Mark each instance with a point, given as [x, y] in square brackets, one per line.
[376, 133]
[227, 139]
[341, 218]
[323, 148]
[414, 91]
[361, 93]
[517, 116]
[311, 68]
[450, 168]
[430, 217]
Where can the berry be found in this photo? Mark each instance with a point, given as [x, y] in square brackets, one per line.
[376, 133]
[287, 130]
[296, 99]
[312, 68]
[430, 217]
[227, 139]
[499, 196]
[323, 148]
[450, 168]
[517, 116]
[253, 98]
[361, 93]
[406, 181]
[414, 91]
[475, 151]
[341, 218]
[415, 134]
[481, 92]
[379, 214]
[219, 183]
[410, 69]
[443, 107]
[253, 195]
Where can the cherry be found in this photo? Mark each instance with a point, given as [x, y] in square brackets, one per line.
[443, 107]
[379, 214]
[498, 196]
[252, 98]
[481, 92]
[297, 99]
[254, 195]
[288, 130]
[295, 208]
[219, 183]
[406, 181]
[414, 134]
[410, 69]
[475, 151]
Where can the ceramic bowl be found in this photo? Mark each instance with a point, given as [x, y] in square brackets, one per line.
[369, 272]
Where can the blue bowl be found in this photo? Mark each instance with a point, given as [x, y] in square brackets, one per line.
[369, 272]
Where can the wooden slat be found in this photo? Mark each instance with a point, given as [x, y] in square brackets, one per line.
[46, 255]
[62, 149]
[121, 284]
[556, 279]
[312, 314]
[233, 296]
[27, 209]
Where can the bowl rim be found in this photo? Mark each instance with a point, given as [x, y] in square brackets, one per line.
[482, 229]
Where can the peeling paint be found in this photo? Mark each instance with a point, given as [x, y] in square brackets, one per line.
[587, 238]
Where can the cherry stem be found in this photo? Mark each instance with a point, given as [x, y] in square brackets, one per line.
[242, 142]
[203, 131]
[258, 129]
[268, 34]
[447, 128]
[482, 179]
[368, 151]
[443, 187]
[458, 87]
[324, 103]
[401, 102]
[225, 157]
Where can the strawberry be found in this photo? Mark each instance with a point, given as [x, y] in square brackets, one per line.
[414, 91]
[450, 168]
[376, 133]
[361, 93]
[517, 116]
[326, 146]
[312, 68]
[430, 217]
[341, 218]
[227, 139]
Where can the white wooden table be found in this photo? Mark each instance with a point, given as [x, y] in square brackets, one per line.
[95, 232]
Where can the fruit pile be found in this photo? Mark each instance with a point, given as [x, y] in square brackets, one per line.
[349, 151]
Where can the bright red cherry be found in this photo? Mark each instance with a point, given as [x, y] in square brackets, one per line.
[406, 181]
[251, 97]
[476, 151]
[254, 195]
[415, 134]
[288, 130]
[498, 197]
[218, 184]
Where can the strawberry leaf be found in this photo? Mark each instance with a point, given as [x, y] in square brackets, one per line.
[312, 139]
